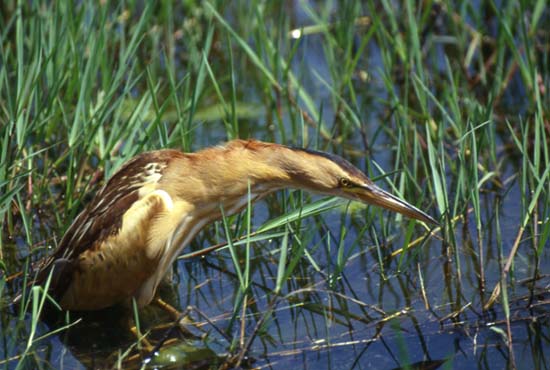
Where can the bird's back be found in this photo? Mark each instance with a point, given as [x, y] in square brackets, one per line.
[97, 241]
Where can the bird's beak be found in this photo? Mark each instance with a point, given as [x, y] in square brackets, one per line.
[372, 194]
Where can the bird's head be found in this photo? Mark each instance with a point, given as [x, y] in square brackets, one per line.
[330, 174]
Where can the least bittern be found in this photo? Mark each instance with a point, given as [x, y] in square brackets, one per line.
[128, 236]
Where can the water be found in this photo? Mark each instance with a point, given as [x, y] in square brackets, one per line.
[378, 312]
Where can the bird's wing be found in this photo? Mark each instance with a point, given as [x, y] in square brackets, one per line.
[103, 216]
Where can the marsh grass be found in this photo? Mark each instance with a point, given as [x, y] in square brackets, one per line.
[444, 103]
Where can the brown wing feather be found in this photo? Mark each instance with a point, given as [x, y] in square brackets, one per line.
[102, 217]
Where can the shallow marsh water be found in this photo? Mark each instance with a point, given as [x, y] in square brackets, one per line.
[349, 303]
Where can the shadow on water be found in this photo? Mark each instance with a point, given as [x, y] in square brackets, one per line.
[109, 338]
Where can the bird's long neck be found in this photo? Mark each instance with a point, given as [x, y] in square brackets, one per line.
[223, 174]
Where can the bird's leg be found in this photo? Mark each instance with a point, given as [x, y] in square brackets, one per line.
[143, 343]
[135, 327]
[147, 349]
[179, 318]
[169, 309]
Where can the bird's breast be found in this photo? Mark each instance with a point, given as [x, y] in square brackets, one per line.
[108, 273]
[113, 269]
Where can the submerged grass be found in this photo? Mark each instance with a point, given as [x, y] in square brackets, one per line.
[448, 101]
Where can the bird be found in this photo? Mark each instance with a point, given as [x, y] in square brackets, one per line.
[127, 237]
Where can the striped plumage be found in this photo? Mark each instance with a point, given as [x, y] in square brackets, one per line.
[123, 243]
[85, 247]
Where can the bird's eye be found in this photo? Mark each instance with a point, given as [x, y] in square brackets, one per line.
[345, 183]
